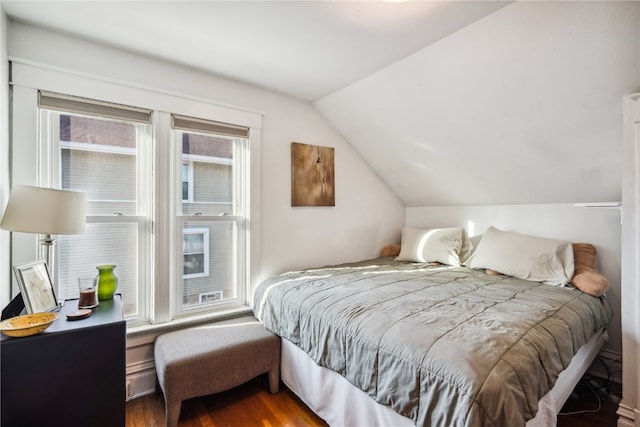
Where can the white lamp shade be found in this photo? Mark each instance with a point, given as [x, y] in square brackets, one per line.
[45, 211]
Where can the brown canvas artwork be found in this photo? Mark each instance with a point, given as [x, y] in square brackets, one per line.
[312, 175]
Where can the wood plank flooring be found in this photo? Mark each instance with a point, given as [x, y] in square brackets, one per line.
[587, 414]
[248, 405]
[252, 405]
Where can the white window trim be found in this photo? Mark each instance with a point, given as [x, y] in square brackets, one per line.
[28, 78]
[39, 76]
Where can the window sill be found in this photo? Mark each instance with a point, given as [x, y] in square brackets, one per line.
[146, 334]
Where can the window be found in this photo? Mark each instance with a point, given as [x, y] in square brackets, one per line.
[152, 179]
[212, 219]
[103, 154]
[134, 187]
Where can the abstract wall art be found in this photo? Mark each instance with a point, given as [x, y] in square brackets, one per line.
[312, 175]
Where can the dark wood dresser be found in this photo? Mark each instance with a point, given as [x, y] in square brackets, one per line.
[72, 374]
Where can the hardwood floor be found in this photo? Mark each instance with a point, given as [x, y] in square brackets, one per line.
[248, 405]
[252, 405]
[591, 417]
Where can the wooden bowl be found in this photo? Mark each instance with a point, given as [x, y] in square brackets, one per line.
[28, 324]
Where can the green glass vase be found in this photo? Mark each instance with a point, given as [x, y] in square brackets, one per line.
[107, 282]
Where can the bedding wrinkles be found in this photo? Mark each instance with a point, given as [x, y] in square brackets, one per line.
[444, 346]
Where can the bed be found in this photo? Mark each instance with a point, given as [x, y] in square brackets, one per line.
[428, 338]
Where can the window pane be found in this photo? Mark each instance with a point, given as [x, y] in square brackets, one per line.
[98, 156]
[211, 160]
[209, 271]
[115, 243]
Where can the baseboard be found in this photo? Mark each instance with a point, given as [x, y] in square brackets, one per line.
[141, 379]
[628, 417]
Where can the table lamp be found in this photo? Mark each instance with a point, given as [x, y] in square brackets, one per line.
[45, 211]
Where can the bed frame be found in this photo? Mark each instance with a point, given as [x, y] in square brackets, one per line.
[339, 403]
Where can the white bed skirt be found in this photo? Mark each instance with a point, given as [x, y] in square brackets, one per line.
[340, 404]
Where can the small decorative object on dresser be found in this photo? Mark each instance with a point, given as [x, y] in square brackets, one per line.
[107, 282]
[35, 285]
[28, 324]
[88, 292]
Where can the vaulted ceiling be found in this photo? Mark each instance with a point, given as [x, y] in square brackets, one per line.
[450, 102]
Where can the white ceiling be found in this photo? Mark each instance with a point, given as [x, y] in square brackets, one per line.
[450, 102]
[306, 49]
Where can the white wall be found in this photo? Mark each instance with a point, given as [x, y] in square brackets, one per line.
[367, 214]
[5, 258]
[598, 226]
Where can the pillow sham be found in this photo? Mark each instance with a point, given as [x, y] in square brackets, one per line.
[533, 258]
[444, 245]
[586, 276]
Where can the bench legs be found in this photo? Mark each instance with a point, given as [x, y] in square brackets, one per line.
[274, 378]
[172, 410]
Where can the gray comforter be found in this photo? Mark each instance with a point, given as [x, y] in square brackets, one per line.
[441, 345]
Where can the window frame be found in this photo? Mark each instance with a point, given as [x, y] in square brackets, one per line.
[26, 156]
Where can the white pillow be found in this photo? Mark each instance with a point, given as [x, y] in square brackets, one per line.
[528, 257]
[445, 245]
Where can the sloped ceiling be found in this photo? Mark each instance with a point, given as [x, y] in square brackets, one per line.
[523, 106]
[450, 102]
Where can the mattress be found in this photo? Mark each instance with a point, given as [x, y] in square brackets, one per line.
[439, 345]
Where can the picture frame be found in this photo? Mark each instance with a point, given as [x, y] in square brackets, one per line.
[36, 287]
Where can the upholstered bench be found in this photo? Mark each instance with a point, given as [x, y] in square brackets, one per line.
[213, 358]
